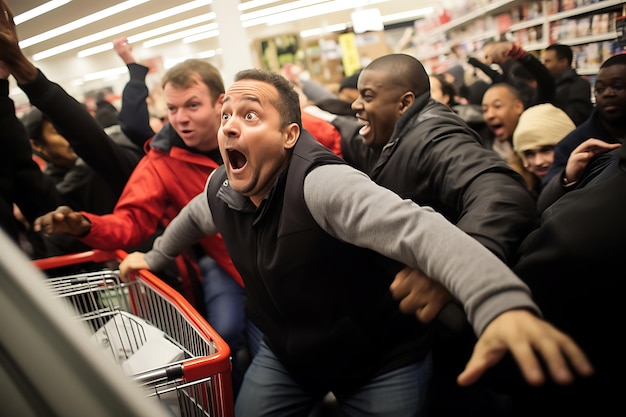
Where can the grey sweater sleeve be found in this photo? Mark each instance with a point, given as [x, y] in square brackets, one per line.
[192, 223]
[358, 211]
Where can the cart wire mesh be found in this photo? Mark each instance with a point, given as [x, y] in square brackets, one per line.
[122, 316]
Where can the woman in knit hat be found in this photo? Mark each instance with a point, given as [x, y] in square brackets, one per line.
[539, 128]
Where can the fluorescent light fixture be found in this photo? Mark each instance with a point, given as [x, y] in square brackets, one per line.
[39, 10]
[302, 9]
[150, 34]
[412, 14]
[111, 32]
[100, 75]
[80, 23]
[208, 54]
[261, 16]
[169, 63]
[367, 20]
[316, 10]
[326, 29]
[201, 36]
[390, 18]
[254, 4]
[180, 35]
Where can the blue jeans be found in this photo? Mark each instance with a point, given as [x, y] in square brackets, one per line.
[225, 303]
[269, 390]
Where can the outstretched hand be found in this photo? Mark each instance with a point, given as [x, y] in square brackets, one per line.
[527, 338]
[63, 220]
[124, 50]
[582, 154]
[10, 52]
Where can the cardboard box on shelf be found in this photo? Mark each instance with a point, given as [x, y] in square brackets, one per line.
[584, 27]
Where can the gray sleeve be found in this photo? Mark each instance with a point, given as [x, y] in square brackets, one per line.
[358, 211]
[192, 223]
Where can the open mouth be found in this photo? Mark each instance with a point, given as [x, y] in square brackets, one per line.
[366, 128]
[497, 129]
[237, 159]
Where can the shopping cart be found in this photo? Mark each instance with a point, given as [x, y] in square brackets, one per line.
[144, 321]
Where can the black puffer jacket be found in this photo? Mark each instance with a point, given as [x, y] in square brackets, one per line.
[435, 159]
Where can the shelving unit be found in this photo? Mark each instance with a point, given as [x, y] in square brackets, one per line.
[586, 25]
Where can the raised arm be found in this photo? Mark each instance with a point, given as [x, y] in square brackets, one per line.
[33, 192]
[498, 304]
[69, 116]
[192, 223]
[134, 116]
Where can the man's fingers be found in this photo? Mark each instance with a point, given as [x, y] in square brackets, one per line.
[427, 313]
[482, 359]
[529, 365]
[563, 355]
[400, 286]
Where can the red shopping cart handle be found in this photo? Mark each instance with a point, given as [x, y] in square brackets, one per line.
[76, 258]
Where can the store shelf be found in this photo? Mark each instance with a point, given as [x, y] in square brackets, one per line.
[606, 4]
[527, 24]
[589, 39]
[491, 9]
[436, 44]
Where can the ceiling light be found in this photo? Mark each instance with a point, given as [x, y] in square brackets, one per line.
[326, 29]
[390, 18]
[201, 36]
[179, 35]
[109, 33]
[299, 10]
[403, 16]
[39, 10]
[317, 10]
[150, 34]
[253, 4]
[80, 23]
[260, 16]
[208, 54]
[106, 73]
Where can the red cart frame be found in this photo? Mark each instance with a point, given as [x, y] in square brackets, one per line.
[202, 382]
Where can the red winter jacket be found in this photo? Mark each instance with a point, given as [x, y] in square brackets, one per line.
[163, 182]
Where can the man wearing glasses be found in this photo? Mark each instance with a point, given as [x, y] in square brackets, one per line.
[607, 122]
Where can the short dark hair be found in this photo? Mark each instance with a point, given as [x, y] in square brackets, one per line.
[447, 88]
[33, 123]
[514, 91]
[562, 52]
[403, 70]
[288, 103]
[183, 75]
[619, 59]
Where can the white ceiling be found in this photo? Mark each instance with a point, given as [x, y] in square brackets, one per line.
[65, 67]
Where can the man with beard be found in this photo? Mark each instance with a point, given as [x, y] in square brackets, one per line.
[606, 123]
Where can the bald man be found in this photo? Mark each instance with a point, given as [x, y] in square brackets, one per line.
[425, 152]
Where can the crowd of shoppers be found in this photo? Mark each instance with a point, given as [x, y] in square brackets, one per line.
[309, 229]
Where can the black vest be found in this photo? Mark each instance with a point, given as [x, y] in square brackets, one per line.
[323, 305]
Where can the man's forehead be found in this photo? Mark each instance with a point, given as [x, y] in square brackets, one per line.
[252, 90]
[613, 71]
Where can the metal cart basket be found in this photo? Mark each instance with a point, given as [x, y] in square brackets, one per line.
[127, 319]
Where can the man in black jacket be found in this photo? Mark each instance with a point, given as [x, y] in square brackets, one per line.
[573, 93]
[423, 151]
[574, 266]
[607, 122]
